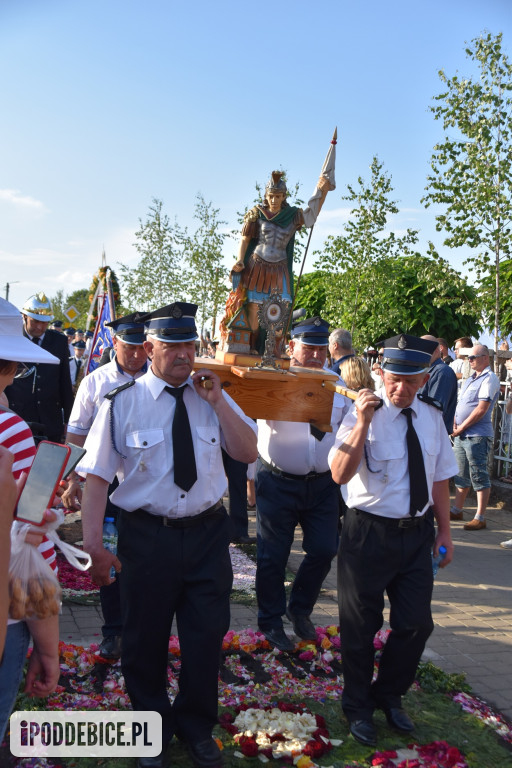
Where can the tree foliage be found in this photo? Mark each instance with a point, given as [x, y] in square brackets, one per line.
[205, 275]
[414, 294]
[78, 299]
[472, 167]
[312, 293]
[158, 277]
[176, 265]
[488, 297]
[378, 284]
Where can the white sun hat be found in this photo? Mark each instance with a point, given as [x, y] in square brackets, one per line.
[13, 344]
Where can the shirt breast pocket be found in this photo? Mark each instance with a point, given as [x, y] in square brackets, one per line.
[208, 447]
[381, 455]
[146, 451]
[430, 452]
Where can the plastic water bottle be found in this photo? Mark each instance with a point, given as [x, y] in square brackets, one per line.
[110, 540]
[436, 561]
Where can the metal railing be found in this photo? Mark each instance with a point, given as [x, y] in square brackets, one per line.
[502, 434]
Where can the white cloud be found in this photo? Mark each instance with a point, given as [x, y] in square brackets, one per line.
[15, 197]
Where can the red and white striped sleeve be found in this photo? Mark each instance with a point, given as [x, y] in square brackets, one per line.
[16, 436]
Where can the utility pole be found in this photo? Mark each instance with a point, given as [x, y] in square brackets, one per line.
[7, 287]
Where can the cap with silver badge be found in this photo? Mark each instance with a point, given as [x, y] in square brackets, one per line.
[173, 323]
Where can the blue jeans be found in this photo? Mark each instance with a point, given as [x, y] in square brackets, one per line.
[472, 454]
[11, 669]
[283, 504]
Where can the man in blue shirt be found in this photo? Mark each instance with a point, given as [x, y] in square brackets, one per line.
[340, 348]
[473, 433]
[441, 386]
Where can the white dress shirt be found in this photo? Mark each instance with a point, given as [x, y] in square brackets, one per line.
[290, 446]
[142, 431]
[381, 483]
[91, 392]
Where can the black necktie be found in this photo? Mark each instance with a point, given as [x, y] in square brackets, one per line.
[36, 341]
[185, 472]
[317, 433]
[417, 477]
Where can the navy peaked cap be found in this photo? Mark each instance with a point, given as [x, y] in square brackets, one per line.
[173, 323]
[406, 355]
[313, 331]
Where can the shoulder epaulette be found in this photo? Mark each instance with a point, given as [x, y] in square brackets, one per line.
[110, 395]
[430, 401]
[252, 214]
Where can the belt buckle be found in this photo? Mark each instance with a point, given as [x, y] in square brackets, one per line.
[407, 522]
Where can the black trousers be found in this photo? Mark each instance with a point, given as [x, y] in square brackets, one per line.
[375, 558]
[110, 597]
[236, 473]
[174, 572]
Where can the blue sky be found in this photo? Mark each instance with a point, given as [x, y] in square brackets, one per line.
[107, 104]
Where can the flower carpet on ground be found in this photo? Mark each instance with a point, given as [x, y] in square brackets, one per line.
[262, 693]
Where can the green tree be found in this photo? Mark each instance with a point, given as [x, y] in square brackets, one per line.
[312, 293]
[472, 168]
[158, 278]
[415, 294]
[487, 295]
[361, 247]
[205, 275]
[378, 284]
[58, 303]
[78, 299]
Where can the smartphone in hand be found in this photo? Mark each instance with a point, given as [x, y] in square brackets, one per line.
[42, 481]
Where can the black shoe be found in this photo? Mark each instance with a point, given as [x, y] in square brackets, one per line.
[302, 626]
[398, 719]
[152, 762]
[364, 732]
[279, 639]
[205, 754]
[110, 648]
[244, 540]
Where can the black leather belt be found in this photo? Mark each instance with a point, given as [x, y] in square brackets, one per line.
[395, 522]
[289, 476]
[180, 522]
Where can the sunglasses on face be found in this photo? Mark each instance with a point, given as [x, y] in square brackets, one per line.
[474, 357]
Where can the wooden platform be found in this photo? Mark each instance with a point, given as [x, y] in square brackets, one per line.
[296, 394]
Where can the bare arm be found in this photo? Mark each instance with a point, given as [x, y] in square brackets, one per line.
[475, 415]
[441, 506]
[241, 440]
[242, 250]
[43, 666]
[93, 512]
[349, 454]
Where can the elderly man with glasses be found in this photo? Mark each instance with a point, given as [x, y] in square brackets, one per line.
[473, 433]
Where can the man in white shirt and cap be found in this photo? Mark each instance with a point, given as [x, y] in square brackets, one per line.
[394, 459]
[162, 436]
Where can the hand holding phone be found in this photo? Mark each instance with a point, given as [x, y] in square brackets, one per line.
[42, 482]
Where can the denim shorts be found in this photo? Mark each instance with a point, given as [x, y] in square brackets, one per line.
[472, 454]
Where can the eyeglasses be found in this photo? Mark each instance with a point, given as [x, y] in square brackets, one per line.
[474, 357]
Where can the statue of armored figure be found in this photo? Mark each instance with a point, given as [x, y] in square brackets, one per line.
[265, 256]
